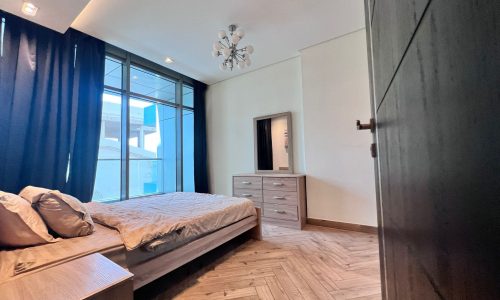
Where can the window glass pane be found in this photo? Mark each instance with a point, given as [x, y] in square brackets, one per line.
[110, 141]
[187, 96]
[2, 33]
[145, 177]
[151, 139]
[144, 135]
[168, 123]
[113, 73]
[188, 150]
[107, 182]
[152, 85]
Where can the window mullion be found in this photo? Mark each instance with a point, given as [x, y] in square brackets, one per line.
[125, 130]
[178, 111]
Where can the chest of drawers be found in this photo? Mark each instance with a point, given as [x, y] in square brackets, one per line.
[282, 197]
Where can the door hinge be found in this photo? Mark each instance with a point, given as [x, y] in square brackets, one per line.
[373, 150]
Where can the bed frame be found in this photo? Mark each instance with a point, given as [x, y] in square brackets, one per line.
[154, 268]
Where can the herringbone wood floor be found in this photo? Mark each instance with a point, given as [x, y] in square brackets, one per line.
[316, 263]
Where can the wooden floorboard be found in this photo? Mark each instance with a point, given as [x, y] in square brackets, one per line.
[315, 263]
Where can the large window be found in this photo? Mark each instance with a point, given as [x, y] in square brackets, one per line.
[147, 133]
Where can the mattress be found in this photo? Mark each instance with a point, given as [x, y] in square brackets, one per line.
[14, 262]
[145, 222]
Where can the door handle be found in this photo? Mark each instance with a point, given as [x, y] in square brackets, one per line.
[246, 195]
[370, 126]
[280, 211]
[277, 184]
[246, 182]
[279, 198]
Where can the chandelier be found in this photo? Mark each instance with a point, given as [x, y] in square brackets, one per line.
[227, 47]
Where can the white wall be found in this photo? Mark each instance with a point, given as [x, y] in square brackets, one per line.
[231, 106]
[340, 182]
[326, 89]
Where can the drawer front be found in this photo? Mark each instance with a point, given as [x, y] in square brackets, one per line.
[284, 212]
[280, 184]
[254, 195]
[241, 182]
[280, 197]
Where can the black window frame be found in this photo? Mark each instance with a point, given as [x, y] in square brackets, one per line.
[128, 60]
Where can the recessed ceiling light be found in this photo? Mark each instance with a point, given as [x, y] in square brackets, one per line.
[29, 9]
[169, 60]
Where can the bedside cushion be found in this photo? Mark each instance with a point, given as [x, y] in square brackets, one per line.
[20, 225]
[64, 214]
[33, 193]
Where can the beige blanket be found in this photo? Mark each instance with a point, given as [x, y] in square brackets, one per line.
[188, 215]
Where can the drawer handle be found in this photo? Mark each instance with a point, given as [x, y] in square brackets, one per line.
[246, 182]
[280, 211]
[278, 184]
[246, 195]
[279, 198]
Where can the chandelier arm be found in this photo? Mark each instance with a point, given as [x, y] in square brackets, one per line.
[222, 44]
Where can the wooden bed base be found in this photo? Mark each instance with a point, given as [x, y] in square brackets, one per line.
[154, 268]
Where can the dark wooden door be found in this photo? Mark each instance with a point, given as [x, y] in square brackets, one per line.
[435, 75]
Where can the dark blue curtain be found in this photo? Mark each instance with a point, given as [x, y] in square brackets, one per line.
[200, 139]
[88, 87]
[50, 97]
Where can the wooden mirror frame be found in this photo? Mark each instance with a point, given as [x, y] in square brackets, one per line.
[288, 116]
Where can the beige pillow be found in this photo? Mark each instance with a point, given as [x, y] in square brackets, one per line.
[64, 214]
[20, 225]
[33, 193]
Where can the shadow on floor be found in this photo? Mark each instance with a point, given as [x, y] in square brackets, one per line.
[170, 285]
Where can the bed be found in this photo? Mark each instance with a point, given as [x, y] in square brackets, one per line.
[149, 236]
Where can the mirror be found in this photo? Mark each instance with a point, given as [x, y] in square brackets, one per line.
[273, 143]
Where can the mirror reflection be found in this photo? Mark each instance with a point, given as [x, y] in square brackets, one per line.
[273, 143]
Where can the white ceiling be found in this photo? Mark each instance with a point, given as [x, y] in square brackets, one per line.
[186, 29]
[54, 14]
